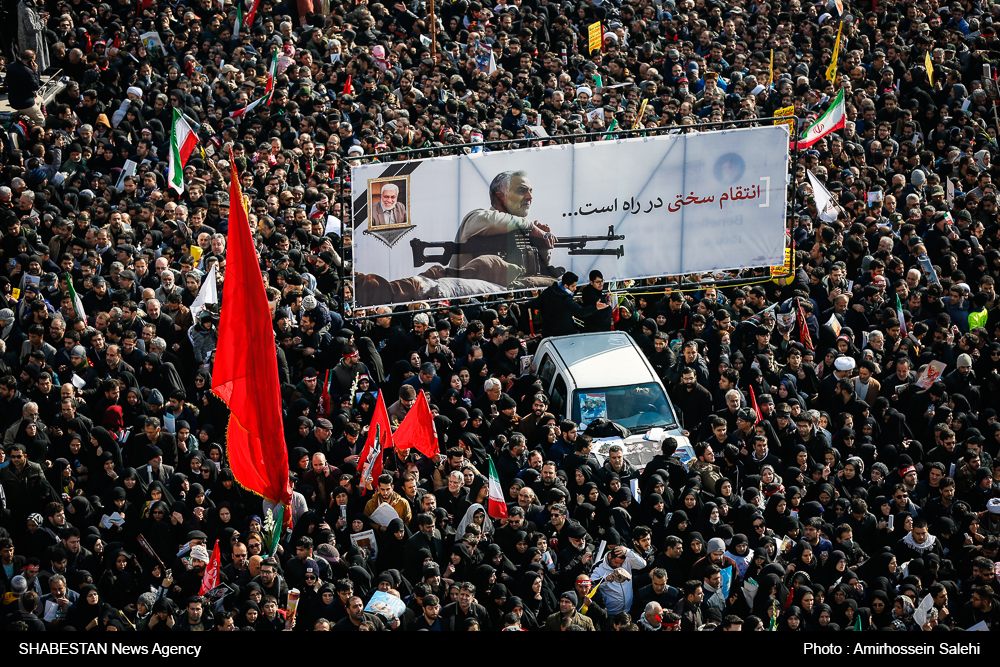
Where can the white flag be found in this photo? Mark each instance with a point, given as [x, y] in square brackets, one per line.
[209, 293]
[824, 200]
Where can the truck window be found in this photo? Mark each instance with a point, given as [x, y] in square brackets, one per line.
[558, 406]
[548, 369]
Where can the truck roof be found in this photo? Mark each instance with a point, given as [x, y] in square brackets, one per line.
[602, 359]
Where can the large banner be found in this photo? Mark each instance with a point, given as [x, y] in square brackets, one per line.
[478, 224]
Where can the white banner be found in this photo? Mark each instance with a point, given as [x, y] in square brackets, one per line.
[633, 208]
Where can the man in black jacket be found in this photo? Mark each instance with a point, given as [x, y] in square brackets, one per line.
[22, 87]
[559, 308]
[454, 615]
[592, 295]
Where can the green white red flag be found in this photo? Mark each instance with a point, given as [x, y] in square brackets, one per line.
[182, 142]
[498, 507]
[831, 120]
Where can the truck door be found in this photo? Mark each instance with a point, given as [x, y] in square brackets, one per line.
[559, 397]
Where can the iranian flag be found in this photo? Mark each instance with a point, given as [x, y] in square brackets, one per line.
[239, 19]
[271, 73]
[902, 320]
[182, 142]
[832, 120]
[77, 301]
[498, 508]
[239, 113]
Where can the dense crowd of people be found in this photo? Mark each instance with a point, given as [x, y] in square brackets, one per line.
[847, 445]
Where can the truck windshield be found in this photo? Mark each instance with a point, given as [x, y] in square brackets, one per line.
[636, 407]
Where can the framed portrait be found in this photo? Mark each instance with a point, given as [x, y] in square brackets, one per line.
[389, 203]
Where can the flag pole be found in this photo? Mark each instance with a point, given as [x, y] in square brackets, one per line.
[433, 32]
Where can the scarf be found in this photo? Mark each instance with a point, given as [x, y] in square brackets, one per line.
[920, 548]
[643, 623]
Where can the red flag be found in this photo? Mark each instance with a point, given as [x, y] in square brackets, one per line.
[803, 327]
[248, 19]
[246, 366]
[379, 440]
[347, 85]
[325, 404]
[756, 408]
[418, 430]
[211, 577]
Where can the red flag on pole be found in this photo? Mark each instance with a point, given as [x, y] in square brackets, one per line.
[803, 327]
[325, 405]
[246, 366]
[379, 440]
[417, 429]
[756, 408]
[210, 579]
[248, 18]
[347, 85]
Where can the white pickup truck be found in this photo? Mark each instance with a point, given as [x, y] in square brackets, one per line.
[605, 374]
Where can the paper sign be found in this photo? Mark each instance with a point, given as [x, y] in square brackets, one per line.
[366, 540]
[790, 122]
[593, 406]
[16, 293]
[786, 268]
[931, 374]
[928, 267]
[78, 381]
[634, 486]
[383, 514]
[750, 590]
[727, 581]
[525, 363]
[113, 520]
[127, 170]
[596, 114]
[153, 44]
[217, 593]
[920, 615]
[169, 422]
[594, 33]
[386, 605]
[51, 611]
[834, 324]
